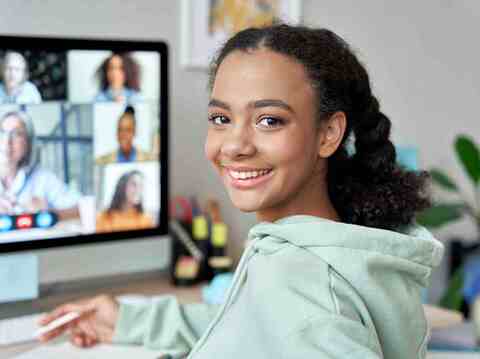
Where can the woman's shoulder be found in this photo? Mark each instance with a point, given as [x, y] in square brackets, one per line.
[145, 156]
[30, 86]
[292, 268]
[298, 279]
[103, 221]
[102, 96]
[107, 158]
[39, 174]
[145, 221]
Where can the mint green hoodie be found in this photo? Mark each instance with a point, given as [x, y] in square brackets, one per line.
[305, 287]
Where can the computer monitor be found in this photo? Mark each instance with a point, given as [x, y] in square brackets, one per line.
[83, 141]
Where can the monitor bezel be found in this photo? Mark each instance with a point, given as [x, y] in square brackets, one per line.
[115, 45]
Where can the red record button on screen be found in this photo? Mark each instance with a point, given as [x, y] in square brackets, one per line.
[24, 221]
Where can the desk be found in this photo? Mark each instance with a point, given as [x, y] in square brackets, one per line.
[147, 284]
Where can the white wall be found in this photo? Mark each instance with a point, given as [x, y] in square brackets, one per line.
[422, 56]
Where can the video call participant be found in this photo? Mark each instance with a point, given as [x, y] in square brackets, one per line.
[119, 77]
[24, 186]
[126, 152]
[126, 209]
[15, 87]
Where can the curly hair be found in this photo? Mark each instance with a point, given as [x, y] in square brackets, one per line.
[129, 110]
[130, 66]
[367, 187]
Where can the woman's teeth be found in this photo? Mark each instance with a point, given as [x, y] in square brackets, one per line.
[248, 175]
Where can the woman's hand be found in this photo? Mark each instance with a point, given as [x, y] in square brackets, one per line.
[36, 204]
[96, 323]
[6, 206]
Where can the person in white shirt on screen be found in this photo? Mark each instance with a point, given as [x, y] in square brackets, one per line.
[25, 187]
[119, 77]
[15, 87]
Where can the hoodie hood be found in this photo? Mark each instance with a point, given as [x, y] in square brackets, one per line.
[386, 269]
[413, 251]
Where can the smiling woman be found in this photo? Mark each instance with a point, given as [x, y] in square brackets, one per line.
[336, 266]
[262, 120]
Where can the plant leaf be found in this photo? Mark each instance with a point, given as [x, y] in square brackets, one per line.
[440, 178]
[469, 155]
[438, 215]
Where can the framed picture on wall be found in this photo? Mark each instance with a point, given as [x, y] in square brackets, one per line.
[207, 24]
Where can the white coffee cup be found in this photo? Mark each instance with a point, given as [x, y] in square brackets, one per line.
[86, 207]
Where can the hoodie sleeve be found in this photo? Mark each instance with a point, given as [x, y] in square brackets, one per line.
[164, 324]
[331, 336]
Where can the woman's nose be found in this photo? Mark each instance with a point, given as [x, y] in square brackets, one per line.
[238, 143]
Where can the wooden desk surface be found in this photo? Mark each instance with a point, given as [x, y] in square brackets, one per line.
[150, 284]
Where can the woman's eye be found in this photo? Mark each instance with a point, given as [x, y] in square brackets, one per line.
[218, 120]
[270, 122]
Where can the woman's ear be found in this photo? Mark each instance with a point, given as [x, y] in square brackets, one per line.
[331, 134]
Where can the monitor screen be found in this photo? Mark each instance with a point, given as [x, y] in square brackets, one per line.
[82, 141]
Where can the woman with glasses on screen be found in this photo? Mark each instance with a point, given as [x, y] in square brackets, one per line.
[119, 77]
[336, 266]
[24, 186]
[126, 209]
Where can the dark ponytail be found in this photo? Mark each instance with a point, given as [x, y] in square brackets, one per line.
[369, 188]
[366, 187]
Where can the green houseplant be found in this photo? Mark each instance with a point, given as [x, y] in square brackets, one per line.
[441, 214]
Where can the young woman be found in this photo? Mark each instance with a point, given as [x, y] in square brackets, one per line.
[126, 209]
[119, 77]
[335, 268]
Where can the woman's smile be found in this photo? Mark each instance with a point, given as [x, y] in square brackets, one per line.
[245, 178]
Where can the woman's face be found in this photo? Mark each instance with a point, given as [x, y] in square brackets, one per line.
[262, 137]
[134, 190]
[115, 73]
[14, 71]
[13, 141]
[126, 133]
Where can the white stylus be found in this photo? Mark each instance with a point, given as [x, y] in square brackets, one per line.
[64, 319]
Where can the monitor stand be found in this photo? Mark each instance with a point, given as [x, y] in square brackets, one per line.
[18, 277]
